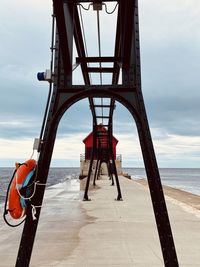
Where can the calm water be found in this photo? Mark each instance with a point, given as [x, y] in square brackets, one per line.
[185, 179]
[56, 175]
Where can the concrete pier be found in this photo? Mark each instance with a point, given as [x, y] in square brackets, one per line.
[105, 232]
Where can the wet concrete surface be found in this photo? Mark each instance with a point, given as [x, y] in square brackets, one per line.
[103, 231]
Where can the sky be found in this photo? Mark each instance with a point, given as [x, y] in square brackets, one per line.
[170, 63]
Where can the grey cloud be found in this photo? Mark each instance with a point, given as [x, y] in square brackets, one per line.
[177, 115]
[170, 72]
[19, 128]
[170, 77]
[25, 120]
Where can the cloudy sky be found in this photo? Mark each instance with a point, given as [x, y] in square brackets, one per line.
[170, 53]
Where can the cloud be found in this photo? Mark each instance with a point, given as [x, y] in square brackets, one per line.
[22, 128]
[171, 150]
[176, 115]
[16, 150]
[170, 50]
[178, 151]
[26, 33]
[170, 53]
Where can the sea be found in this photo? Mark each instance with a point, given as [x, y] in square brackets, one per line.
[186, 179]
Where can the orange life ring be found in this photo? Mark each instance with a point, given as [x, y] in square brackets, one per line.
[15, 207]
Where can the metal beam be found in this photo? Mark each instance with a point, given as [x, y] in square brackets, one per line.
[102, 106]
[96, 59]
[64, 38]
[81, 52]
[117, 53]
[100, 69]
[127, 10]
[104, 117]
[116, 88]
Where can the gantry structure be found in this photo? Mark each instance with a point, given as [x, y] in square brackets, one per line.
[123, 66]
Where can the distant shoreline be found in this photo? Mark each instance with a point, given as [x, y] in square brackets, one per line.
[177, 194]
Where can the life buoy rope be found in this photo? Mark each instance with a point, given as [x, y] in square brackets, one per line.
[26, 186]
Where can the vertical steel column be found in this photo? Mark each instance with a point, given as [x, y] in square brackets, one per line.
[85, 198]
[94, 152]
[96, 169]
[157, 196]
[99, 170]
[30, 226]
[119, 196]
[132, 77]
[110, 172]
[61, 79]
[153, 176]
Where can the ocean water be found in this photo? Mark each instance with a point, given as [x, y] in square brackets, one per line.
[56, 175]
[184, 179]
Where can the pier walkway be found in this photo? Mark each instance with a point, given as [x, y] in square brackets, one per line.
[105, 232]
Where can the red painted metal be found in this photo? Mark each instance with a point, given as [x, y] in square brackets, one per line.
[102, 141]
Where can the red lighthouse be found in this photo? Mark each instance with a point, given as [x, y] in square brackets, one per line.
[88, 141]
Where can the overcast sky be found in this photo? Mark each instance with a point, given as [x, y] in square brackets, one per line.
[170, 57]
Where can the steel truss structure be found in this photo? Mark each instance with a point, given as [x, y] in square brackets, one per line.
[125, 60]
[103, 152]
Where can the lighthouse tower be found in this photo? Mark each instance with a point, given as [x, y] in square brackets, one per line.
[101, 155]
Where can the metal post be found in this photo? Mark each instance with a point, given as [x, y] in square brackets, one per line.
[30, 226]
[119, 196]
[95, 174]
[157, 196]
[99, 170]
[110, 172]
[85, 198]
[94, 153]
[114, 169]
[131, 75]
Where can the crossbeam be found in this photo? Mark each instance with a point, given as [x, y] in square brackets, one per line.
[100, 69]
[97, 59]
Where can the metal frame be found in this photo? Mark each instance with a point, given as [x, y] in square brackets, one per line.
[103, 150]
[127, 58]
